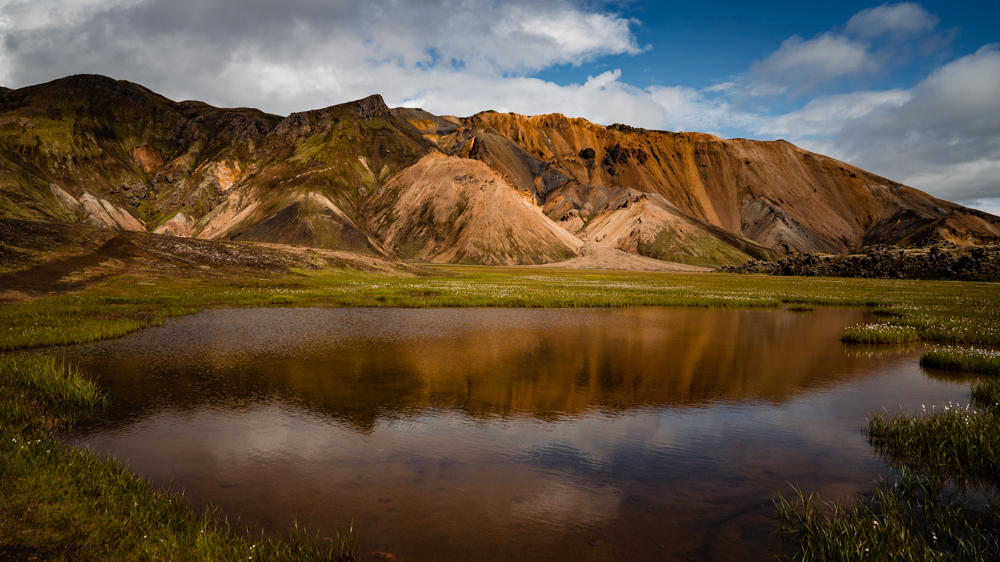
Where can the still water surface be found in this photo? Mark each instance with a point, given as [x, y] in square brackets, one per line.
[486, 434]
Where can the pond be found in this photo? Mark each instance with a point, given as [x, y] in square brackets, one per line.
[501, 434]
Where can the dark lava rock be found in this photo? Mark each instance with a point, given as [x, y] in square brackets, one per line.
[945, 261]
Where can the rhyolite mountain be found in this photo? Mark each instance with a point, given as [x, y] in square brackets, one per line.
[491, 188]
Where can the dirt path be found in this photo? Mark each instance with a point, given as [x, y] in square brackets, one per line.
[595, 256]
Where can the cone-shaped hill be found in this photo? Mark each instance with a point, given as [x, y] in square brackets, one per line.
[492, 188]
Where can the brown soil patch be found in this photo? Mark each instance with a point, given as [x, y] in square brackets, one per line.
[595, 256]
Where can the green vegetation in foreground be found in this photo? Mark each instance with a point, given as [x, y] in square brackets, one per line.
[987, 393]
[941, 506]
[62, 503]
[977, 361]
[958, 442]
[908, 518]
[99, 510]
[945, 311]
[879, 334]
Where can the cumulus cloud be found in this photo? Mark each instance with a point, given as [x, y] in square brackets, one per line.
[805, 64]
[463, 56]
[905, 18]
[872, 41]
[942, 135]
[300, 54]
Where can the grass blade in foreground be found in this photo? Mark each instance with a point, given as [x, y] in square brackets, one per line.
[58, 502]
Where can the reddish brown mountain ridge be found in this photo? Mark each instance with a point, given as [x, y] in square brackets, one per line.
[491, 188]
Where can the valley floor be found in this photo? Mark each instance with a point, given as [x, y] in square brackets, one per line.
[67, 289]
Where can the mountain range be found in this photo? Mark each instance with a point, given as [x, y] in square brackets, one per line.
[493, 188]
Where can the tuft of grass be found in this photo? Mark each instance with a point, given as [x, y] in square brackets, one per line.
[800, 307]
[977, 361]
[910, 518]
[956, 442]
[879, 334]
[986, 394]
[53, 382]
[65, 503]
[283, 299]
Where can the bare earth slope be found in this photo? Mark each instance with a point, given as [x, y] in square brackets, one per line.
[772, 193]
[492, 188]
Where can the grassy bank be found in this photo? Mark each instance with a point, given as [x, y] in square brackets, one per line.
[929, 310]
[941, 505]
[61, 503]
[975, 361]
[59, 500]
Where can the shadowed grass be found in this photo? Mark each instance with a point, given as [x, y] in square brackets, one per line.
[987, 394]
[910, 518]
[977, 361]
[957, 442]
[63, 503]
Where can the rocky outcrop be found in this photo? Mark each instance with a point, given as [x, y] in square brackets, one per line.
[884, 262]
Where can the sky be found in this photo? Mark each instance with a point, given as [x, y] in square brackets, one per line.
[910, 91]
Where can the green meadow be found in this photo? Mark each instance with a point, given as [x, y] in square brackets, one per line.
[61, 503]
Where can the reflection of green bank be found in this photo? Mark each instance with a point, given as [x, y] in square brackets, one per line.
[60, 501]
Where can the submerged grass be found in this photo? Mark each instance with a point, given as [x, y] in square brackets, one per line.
[910, 518]
[977, 361]
[64, 503]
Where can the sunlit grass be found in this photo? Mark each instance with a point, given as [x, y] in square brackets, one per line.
[879, 334]
[977, 361]
[49, 380]
[935, 310]
[954, 441]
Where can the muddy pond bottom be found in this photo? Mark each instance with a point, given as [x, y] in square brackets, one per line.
[497, 434]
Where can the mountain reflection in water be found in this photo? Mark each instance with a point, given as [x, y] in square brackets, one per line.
[499, 434]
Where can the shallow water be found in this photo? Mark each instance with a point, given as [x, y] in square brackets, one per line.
[495, 434]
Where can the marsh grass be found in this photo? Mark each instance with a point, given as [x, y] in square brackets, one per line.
[958, 442]
[63, 503]
[879, 334]
[986, 394]
[910, 518]
[977, 361]
[54, 382]
[937, 311]
[799, 307]
[941, 506]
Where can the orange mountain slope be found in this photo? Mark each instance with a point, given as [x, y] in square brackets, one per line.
[492, 188]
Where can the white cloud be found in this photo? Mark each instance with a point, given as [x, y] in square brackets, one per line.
[827, 115]
[941, 136]
[464, 56]
[806, 63]
[302, 53]
[905, 18]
